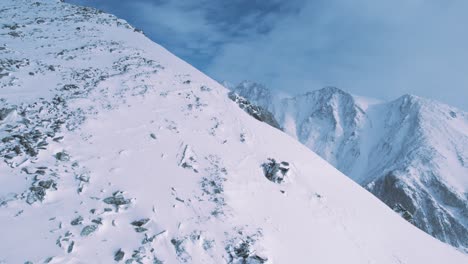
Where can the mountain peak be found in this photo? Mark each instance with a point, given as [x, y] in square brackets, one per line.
[332, 90]
[432, 109]
[410, 98]
[327, 94]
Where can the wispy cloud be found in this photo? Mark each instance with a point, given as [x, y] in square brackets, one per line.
[196, 30]
[375, 48]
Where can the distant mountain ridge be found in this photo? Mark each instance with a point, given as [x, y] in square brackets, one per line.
[412, 153]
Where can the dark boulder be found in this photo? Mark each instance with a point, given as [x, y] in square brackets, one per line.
[77, 221]
[274, 171]
[140, 222]
[88, 230]
[119, 255]
[117, 199]
[62, 156]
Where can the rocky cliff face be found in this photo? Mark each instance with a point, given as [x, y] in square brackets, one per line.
[423, 153]
[411, 152]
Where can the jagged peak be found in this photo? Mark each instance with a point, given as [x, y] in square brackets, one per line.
[409, 98]
[328, 95]
[410, 101]
[332, 90]
[325, 92]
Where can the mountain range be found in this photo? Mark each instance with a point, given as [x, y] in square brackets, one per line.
[412, 152]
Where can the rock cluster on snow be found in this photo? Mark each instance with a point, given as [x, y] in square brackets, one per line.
[275, 171]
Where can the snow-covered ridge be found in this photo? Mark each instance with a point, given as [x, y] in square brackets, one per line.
[116, 150]
[411, 152]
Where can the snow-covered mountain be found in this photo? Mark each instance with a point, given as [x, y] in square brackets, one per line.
[113, 149]
[412, 152]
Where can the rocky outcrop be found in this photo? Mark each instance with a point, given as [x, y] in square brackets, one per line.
[275, 171]
[257, 112]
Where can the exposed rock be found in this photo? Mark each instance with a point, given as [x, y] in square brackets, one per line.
[274, 171]
[62, 156]
[70, 247]
[36, 193]
[140, 229]
[140, 222]
[84, 177]
[117, 199]
[205, 88]
[243, 253]
[258, 112]
[88, 230]
[119, 255]
[69, 87]
[148, 239]
[179, 247]
[65, 239]
[416, 204]
[77, 221]
[97, 221]
[403, 212]
[188, 159]
[47, 184]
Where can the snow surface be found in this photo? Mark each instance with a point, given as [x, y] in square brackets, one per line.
[148, 138]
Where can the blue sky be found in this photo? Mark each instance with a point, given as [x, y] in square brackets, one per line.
[380, 49]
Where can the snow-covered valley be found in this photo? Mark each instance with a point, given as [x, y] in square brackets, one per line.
[114, 149]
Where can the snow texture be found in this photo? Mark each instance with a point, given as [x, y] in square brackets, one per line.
[116, 150]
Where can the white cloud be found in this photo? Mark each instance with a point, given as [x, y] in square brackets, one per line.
[376, 48]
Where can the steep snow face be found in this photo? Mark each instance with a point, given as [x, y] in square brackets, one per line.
[411, 153]
[114, 149]
[325, 121]
[421, 164]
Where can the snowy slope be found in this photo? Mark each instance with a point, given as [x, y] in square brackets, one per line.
[114, 149]
[412, 153]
